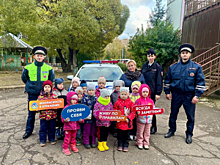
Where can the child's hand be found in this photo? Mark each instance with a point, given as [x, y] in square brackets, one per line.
[100, 117]
[80, 120]
[127, 120]
[138, 112]
[67, 119]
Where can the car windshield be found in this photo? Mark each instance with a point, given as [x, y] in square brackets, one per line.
[93, 73]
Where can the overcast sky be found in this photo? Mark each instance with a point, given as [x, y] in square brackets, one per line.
[139, 14]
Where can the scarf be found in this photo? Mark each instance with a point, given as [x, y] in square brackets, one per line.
[135, 94]
[103, 101]
[133, 75]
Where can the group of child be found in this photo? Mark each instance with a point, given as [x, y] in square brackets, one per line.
[52, 123]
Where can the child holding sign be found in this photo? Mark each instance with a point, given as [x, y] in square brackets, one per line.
[103, 103]
[124, 104]
[47, 117]
[70, 127]
[144, 122]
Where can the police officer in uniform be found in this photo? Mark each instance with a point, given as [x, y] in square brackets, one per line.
[153, 75]
[185, 80]
[33, 75]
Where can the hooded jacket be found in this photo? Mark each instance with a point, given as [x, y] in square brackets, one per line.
[144, 101]
[71, 125]
[114, 96]
[133, 96]
[125, 106]
[98, 92]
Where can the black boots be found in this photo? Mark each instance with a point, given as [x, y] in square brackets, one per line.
[26, 135]
[188, 139]
[153, 130]
[169, 134]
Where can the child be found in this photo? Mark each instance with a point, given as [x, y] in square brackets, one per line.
[103, 103]
[79, 92]
[70, 127]
[74, 85]
[144, 122]
[61, 93]
[101, 85]
[125, 105]
[84, 87]
[47, 117]
[134, 96]
[90, 125]
[117, 84]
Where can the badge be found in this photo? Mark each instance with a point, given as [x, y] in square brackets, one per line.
[192, 74]
[192, 68]
[45, 76]
[162, 74]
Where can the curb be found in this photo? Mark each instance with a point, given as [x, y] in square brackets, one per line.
[12, 87]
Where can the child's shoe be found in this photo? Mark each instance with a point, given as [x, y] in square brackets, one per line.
[78, 142]
[119, 148]
[87, 146]
[93, 145]
[53, 142]
[73, 148]
[140, 147]
[131, 137]
[67, 152]
[125, 149]
[105, 146]
[146, 147]
[100, 146]
[42, 144]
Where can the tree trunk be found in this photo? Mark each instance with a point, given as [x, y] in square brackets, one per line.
[75, 52]
[65, 67]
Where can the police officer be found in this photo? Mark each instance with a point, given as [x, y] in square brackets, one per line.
[185, 80]
[153, 75]
[33, 75]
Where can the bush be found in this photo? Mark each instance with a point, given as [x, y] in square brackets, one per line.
[122, 66]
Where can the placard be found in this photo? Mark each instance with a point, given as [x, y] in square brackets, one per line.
[46, 104]
[111, 115]
[76, 112]
[148, 110]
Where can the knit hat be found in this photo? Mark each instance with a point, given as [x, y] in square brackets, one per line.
[75, 79]
[58, 81]
[79, 90]
[48, 82]
[105, 92]
[91, 87]
[129, 62]
[135, 86]
[145, 89]
[118, 83]
[74, 97]
[83, 83]
[138, 83]
[102, 80]
[124, 89]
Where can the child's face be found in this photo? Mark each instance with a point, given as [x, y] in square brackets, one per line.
[73, 102]
[123, 95]
[117, 88]
[106, 97]
[60, 86]
[80, 96]
[47, 88]
[135, 90]
[91, 92]
[101, 85]
[84, 89]
[144, 94]
[75, 84]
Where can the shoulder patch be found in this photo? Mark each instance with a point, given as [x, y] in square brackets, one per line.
[196, 63]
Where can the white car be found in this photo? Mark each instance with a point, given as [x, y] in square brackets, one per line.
[92, 72]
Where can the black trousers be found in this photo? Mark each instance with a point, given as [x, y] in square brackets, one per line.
[59, 123]
[103, 134]
[134, 130]
[154, 119]
[123, 138]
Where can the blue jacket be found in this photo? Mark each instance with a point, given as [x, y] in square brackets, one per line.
[185, 78]
[90, 102]
[128, 82]
[34, 75]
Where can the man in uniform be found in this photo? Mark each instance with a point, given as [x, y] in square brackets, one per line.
[33, 75]
[185, 80]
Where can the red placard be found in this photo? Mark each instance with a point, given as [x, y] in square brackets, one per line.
[148, 110]
[111, 115]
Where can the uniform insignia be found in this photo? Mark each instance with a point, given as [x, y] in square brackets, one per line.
[154, 70]
[192, 68]
[45, 76]
[192, 74]
[162, 74]
[44, 71]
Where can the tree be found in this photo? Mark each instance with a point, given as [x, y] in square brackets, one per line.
[114, 49]
[163, 38]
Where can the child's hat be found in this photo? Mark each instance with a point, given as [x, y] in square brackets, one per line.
[75, 79]
[118, 83]
[83, 83]
[135, 86]
[74, 97]
[48, 82]
[105, 92]
[145, 89]
[124, 89]
[79, 90]
[58, 81]
[91, 87]
[102, 80]
[138, 83]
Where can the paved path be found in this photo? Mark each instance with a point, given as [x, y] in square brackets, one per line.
[205, 148]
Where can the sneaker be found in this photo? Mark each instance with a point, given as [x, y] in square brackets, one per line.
[119, 148]
[93, 145]
[131, 137]
[74, 149]
[42, 144]
[146, 147]
[67, 152]
[87, 146]
[78, 143]
[53, 142]
[125, 149]
[140, 147]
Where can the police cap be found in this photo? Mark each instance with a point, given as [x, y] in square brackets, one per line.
[151, 52]
[186, 47]
[39, 50]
